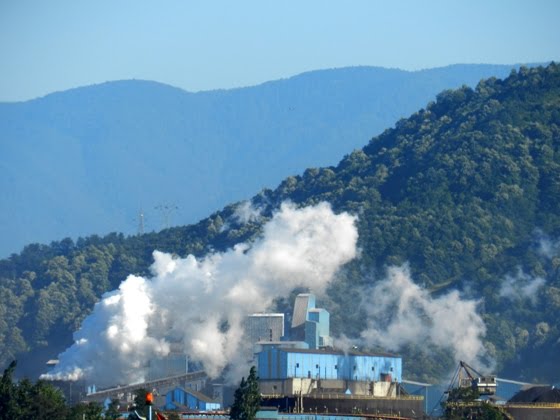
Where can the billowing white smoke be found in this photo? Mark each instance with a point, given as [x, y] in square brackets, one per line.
[401, 312]
[245, 212]
[547, 247]
[202, 303]
[521, 286]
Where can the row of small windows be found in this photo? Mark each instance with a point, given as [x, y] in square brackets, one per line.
[336, 367]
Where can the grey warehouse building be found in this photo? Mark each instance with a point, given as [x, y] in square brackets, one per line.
[264, 327]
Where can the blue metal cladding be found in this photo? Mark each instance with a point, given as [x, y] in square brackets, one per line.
[507, 388]
[180, 396]
[272, 363]
[312, 334]
[277, 363]
[432, 394]
[322, 318]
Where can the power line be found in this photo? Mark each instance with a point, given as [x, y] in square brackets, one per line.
[166, 210]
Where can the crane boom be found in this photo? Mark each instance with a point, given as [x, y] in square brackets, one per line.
[484, 384]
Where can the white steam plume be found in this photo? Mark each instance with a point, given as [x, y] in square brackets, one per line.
[521, 286]
[546, 246]
[202, 303]
[401, 312]
[245, 212]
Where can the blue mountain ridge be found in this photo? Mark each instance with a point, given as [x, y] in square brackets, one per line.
[88, 160]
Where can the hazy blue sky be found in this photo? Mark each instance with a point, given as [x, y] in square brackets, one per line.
[198, 45]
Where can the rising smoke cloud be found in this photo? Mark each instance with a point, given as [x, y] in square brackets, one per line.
[522, 286]
[400, 312]
[202, 303]
[546, 246]
[245, 212]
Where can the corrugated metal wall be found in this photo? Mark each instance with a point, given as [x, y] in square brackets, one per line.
[183, 397]
[282, 364]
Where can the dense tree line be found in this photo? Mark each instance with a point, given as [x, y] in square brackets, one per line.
[25, 400]
[247, 398]
[466, 191]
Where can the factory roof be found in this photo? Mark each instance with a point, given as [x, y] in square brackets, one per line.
[353, 352]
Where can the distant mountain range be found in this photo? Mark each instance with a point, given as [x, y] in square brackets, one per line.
[90, 160]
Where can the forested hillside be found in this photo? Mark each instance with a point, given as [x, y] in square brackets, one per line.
[466, 191]
[89, 160]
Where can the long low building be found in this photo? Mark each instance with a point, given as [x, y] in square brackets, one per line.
[291, 371]
[284, 363]
[193, 380]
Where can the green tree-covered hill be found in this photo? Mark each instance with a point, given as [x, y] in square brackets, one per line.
[466, 191]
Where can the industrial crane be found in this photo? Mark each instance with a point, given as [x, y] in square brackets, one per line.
[468, 377]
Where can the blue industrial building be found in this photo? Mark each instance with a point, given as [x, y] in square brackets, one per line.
[304, 302]
[179, 398]
[310, 324]
[283, 363]
[289, 368]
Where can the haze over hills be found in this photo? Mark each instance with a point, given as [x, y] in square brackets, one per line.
[458, 220]
[88, 160]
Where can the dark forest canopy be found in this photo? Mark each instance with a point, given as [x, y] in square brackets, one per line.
[467, 191]
[39, 401]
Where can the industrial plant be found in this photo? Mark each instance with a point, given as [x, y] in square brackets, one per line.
[300, 371]
[304, 373]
